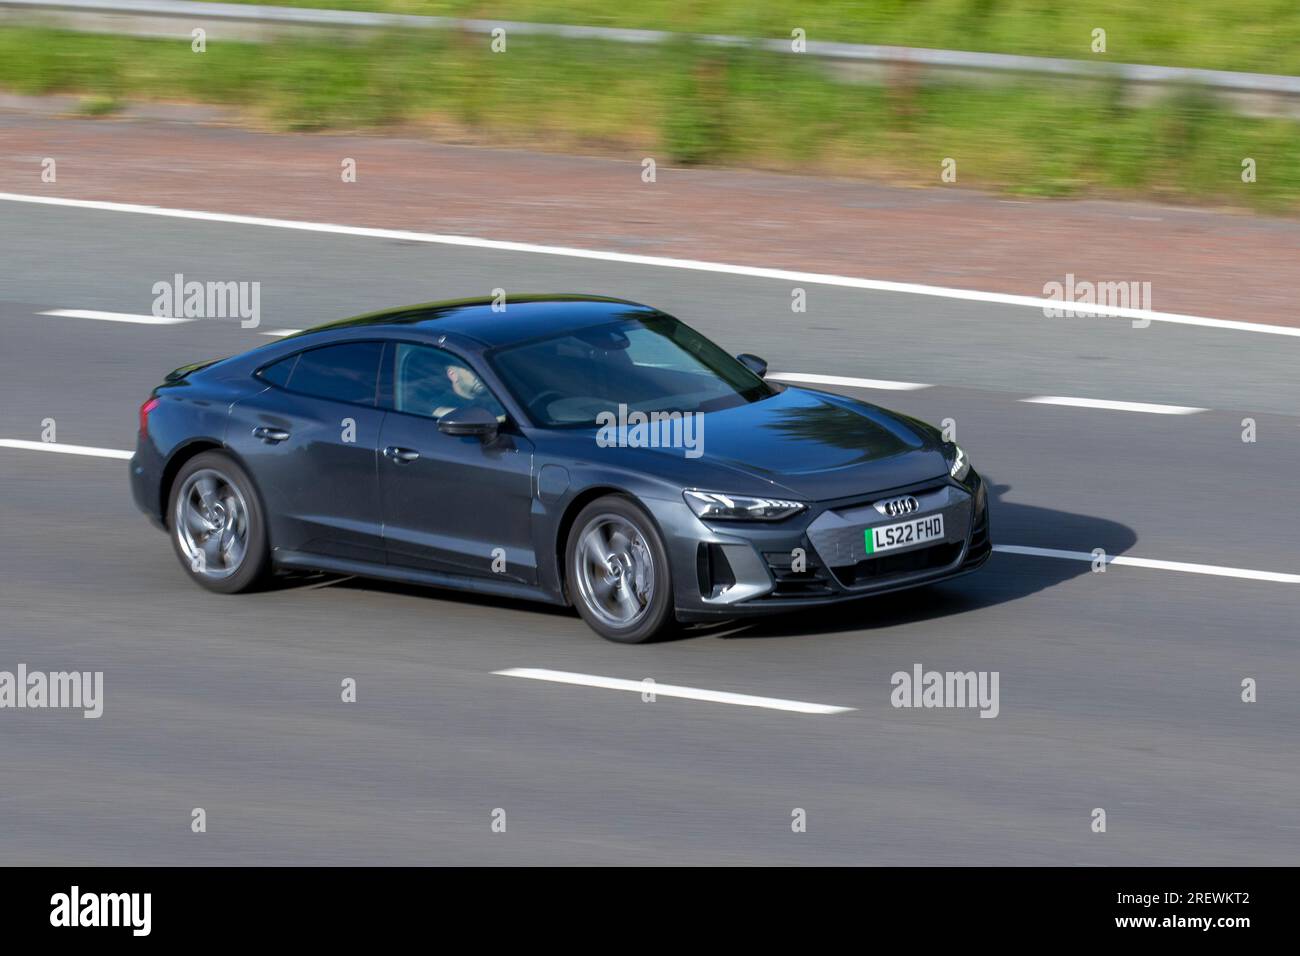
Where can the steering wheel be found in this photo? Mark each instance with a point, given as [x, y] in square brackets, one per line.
[537, 400]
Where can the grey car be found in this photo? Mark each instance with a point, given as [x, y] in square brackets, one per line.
[574, 450]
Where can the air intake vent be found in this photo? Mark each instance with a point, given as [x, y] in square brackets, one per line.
[812, 581]
[714, 571]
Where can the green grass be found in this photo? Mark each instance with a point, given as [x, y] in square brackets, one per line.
[683, 104]
[98, 105]
[1262, 36]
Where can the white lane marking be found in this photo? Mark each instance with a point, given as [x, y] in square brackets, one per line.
[280, 333]
[670, 690]
[1037, 400]
[843, 380]
[1114, 406]
[753, 272]
[63, 449]
[1123, 559]
[114, 316]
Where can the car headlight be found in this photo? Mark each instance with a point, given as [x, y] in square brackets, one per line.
[958, 463]
[715, 505]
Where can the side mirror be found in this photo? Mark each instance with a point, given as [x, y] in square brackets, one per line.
[752, 362]
[469, 420]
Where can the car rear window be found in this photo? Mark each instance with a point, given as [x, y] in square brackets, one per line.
[342, 373]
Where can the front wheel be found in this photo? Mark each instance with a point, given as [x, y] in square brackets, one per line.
[618, 572]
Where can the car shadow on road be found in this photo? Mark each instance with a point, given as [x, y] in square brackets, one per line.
[1006, 577]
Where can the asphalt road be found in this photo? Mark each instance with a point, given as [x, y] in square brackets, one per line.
[1119, 690]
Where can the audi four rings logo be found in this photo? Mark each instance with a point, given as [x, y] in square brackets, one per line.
[898, 506]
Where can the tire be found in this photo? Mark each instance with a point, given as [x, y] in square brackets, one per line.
[216, 525]
[631, 600]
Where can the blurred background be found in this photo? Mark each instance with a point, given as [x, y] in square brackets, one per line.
[1090, 128]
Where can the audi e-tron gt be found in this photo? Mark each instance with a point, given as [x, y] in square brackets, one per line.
[575, 450]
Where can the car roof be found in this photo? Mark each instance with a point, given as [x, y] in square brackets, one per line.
[523, 318]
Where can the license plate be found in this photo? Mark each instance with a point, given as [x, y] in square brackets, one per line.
[905, 533]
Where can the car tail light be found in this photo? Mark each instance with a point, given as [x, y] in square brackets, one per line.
[145, 409]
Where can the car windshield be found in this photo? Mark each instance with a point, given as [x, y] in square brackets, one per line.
[648, 363]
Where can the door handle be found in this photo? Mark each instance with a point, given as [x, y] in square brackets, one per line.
[400, 455]
[271, 436]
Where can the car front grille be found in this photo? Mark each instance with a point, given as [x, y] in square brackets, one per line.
[880, 569]
[917, 491]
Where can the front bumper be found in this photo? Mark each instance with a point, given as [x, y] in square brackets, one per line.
[728, 569]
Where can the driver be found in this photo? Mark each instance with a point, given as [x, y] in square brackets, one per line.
[465, 384]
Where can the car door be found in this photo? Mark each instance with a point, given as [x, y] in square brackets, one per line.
[451, 503]
[311, 440]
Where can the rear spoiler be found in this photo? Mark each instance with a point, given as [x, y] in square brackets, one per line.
[175, 375]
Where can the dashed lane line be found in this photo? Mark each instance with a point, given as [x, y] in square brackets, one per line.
[671, 690]
[114, 316]
[1107, 404]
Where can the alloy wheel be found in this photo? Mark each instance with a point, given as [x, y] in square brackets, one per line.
[211, 522]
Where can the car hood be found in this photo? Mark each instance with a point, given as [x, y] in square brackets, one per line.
[799, 443]
[822, 446]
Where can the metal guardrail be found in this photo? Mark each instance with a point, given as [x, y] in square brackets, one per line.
[151, 17]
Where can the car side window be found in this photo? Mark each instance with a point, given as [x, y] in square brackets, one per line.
[278, 372]
[348, 372]
[432, 382]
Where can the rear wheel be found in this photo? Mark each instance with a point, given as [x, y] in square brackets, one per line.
[216, 524]
[618, 572]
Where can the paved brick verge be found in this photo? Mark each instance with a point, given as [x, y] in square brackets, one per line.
[1204, 262]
